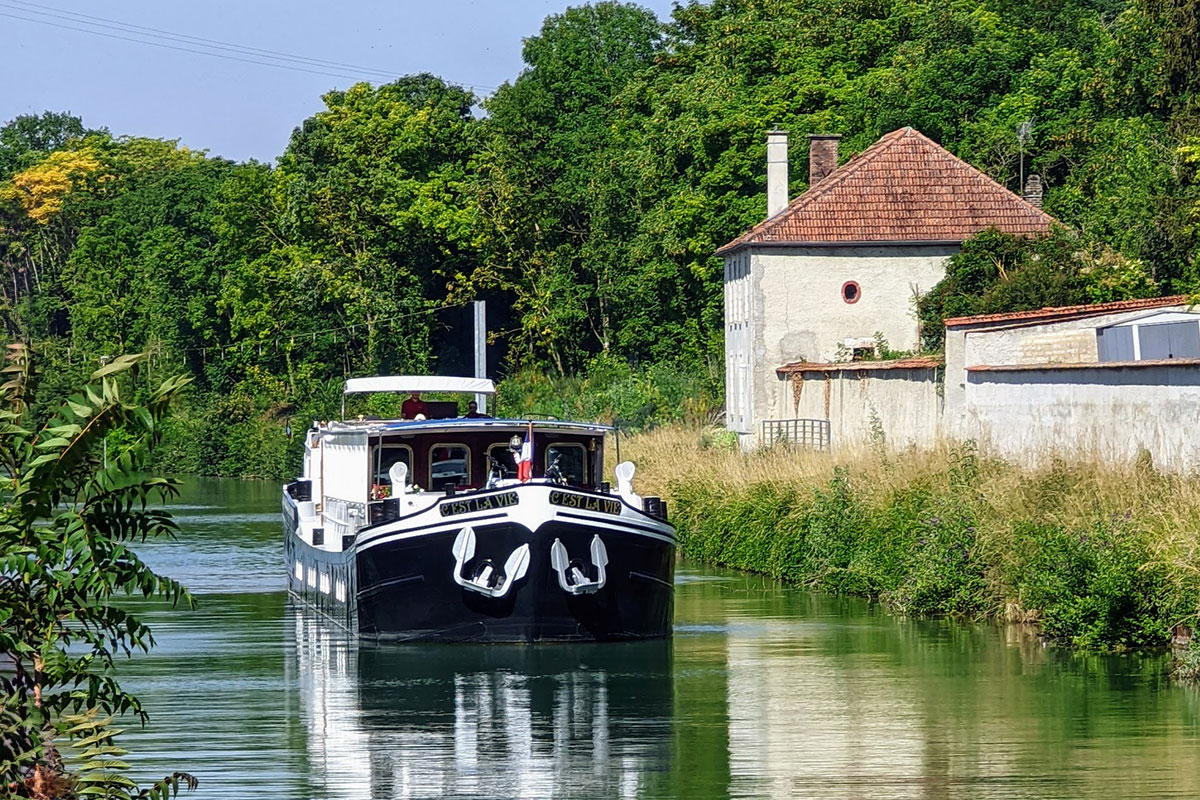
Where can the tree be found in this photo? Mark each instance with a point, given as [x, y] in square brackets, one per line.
[557, 209]
[997, 272]
[68, 523]
[30, 137]
[378, 211]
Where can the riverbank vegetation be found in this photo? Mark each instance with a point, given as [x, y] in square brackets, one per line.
[584, 200]
[1099, 557]
[75, 506]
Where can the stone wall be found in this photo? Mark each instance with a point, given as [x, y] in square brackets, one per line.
[904, 405]
[1111, 413]
[1062, 341]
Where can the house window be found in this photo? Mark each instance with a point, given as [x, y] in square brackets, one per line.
[851, 291]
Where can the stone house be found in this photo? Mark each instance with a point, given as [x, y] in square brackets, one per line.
[843, 263]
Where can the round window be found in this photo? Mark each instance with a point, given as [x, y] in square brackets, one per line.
[851, 291]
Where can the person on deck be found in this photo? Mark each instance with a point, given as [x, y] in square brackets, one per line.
[473, 411]
[413, 407]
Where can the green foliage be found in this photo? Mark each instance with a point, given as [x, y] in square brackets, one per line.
[1093, 586]
[719, 438]
[933, 545]
[558, 205]
[98, 770]
[29, 137]
[68, 526]
[996, 272]
[588, 202]
[613, 391]
[1185, 666]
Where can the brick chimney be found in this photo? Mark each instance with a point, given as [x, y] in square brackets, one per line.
[1033, 190]
[777, 172]
[822, 156]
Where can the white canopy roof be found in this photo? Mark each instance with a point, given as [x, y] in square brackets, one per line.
[405, 384]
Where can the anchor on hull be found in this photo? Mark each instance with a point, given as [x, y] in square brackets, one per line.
[486, 579]
[571, 576]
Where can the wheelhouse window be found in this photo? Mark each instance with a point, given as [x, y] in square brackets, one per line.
[382, 460]
[570, 459]
[449, 466]
[502, 455]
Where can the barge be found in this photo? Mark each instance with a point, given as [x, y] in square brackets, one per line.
[471, 529]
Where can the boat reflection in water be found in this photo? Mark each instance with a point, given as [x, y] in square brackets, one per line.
[561, 720]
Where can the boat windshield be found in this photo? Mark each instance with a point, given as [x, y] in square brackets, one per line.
[446, 459]
[386, 456]
[567, 461]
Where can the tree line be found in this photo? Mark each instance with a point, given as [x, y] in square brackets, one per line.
[585, 199]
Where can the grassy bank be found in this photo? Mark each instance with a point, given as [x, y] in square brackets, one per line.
[1099, 557]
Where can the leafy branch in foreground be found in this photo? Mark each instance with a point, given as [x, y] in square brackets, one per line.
[68, 520]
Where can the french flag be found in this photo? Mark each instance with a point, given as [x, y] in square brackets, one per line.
[525, 462]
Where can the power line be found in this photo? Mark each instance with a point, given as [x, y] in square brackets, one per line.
[158, 37]
[129, 27]
[173, 47]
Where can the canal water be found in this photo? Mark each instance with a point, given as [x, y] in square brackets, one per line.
[764, 692]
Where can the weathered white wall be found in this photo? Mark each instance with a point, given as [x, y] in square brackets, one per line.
[906, 404]
[797, 311]
[804, 315]
[1110, 413]
[738, 327]
[1070, 341]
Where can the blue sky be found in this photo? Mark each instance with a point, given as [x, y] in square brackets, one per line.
[232, 108]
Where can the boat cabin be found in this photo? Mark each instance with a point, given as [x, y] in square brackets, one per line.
[443, 455]
[351, 464]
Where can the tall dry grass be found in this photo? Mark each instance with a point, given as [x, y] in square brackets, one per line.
[1065, 491]
[1106, 555]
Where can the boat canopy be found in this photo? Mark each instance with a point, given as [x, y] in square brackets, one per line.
[405, 384]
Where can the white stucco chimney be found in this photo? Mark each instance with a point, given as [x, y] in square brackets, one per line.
[777, 172]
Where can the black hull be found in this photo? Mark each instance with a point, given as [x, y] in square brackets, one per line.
[404, 589]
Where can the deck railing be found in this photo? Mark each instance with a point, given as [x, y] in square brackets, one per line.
[811, 434]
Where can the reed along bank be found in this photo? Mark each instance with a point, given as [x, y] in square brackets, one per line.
[1100, 557]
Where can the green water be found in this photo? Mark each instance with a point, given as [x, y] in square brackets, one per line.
[764, 692]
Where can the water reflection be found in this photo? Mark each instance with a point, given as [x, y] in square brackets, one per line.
[764, 692]
[493, 721]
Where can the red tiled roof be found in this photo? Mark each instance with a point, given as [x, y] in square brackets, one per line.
[1069, 312]
[903, 188]
[916, 362]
